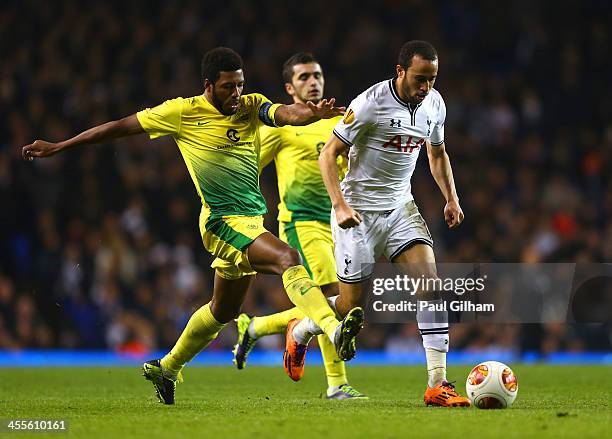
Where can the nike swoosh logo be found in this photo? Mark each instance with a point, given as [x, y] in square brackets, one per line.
[299, 134]
[203, 123]
[305, 290]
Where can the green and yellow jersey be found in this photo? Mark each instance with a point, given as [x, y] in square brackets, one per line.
[221, 152]
[295, 150]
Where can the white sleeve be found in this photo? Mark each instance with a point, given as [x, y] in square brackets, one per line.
[359, 116]
[437, 133]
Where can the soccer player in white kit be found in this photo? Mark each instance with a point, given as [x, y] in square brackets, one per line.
[374, 212]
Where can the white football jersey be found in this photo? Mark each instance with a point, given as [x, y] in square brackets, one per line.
[386, 135]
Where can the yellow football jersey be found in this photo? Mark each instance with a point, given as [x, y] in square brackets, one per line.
[221, 152]
[295, 151]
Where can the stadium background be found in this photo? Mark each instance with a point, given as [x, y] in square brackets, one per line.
[99, 247]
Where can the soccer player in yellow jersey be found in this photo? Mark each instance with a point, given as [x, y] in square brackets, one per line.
[304, 215]
[217, 134]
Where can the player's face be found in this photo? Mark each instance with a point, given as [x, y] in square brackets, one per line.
[307, 83]
[417, 81]
[226, 91]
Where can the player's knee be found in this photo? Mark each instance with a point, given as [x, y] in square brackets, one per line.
[225, 312]
[290, 257]
[430, 287]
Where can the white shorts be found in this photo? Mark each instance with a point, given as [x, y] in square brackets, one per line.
[380, 233]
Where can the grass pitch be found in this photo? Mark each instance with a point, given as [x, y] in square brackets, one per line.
[261, 402]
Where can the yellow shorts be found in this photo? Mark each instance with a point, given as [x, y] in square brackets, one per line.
[227, 238]
[313, 239]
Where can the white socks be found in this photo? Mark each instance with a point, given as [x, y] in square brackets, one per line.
[307, 328]
[332, 390]
[332, 303]
[433, 326]
[251, 331]
[436, 367]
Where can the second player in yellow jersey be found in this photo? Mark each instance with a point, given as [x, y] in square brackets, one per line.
[304, 223]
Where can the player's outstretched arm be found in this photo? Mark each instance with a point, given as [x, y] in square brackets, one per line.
[440, 166]
[346, 217]
[111, 130]
[304, 114]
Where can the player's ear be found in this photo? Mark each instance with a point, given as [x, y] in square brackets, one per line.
[289, 89]
[399, 71]
[207, 84]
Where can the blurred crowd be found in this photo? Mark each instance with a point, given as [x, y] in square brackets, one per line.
[100, 248]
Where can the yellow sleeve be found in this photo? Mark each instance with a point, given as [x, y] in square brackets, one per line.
[270, 141]
[163, 120]
[264, 109]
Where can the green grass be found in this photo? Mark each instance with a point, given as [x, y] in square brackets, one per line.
[220, 402]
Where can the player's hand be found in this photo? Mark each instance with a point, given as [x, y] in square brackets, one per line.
[453, 215]
[325, 109]
[347, 217]
[39, 148]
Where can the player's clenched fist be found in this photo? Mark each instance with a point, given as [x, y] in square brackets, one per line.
[346, 217]
[39, 148]
[453, 215]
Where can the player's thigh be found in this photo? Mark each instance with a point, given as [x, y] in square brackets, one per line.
[354, 251]
[227, 238]
[313, 239]
[228, 296]
[268, 254]
[417, 260]
[409, 242]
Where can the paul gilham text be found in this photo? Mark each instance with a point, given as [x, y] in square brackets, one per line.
[454, 305]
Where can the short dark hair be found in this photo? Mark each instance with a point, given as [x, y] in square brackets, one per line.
[298, 58]
[416, 47]
[219, 59]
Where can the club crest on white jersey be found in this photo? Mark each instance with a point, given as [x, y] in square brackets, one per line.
[386, 135]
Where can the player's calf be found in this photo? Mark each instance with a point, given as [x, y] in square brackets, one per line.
[349, 297]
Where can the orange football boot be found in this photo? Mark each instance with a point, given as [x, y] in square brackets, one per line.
[445, 395]
[295, 353]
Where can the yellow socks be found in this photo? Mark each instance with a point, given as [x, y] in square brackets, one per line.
[201, 329]
[334, 366]
[307, 296]
[275, 323]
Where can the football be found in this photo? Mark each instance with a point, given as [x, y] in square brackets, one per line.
[491, 385]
